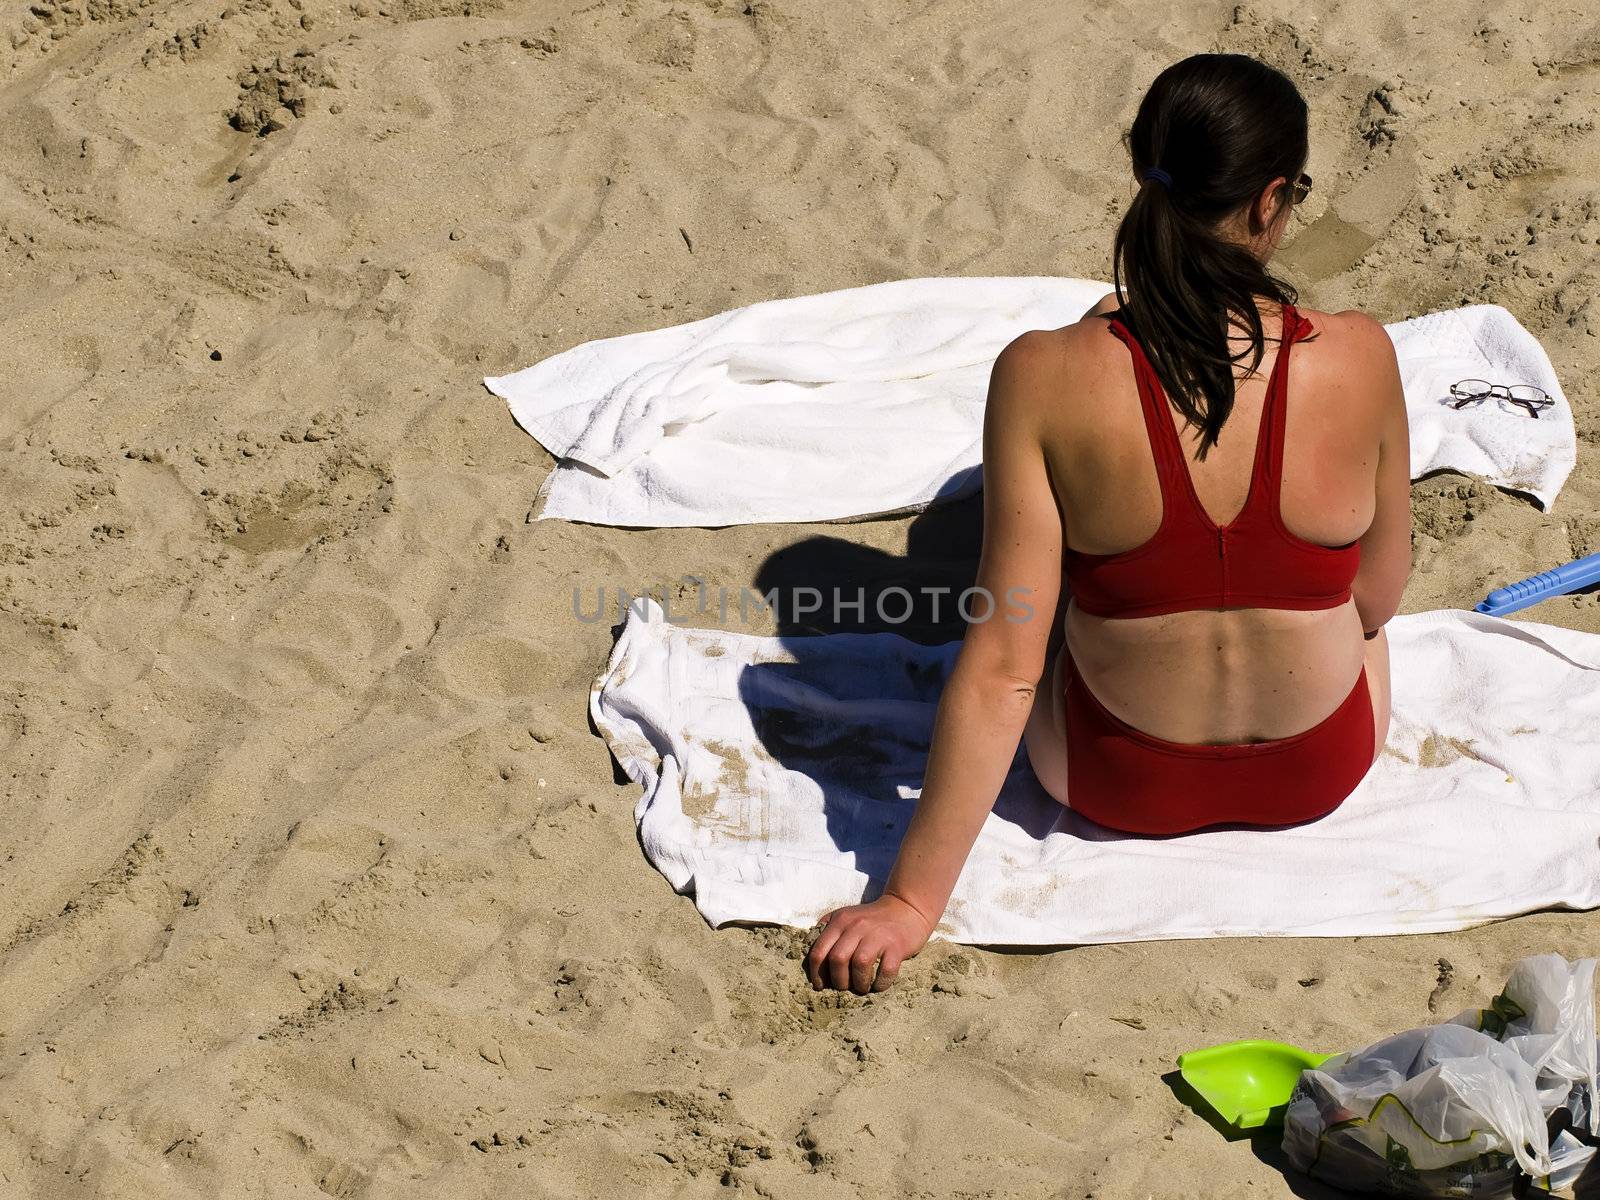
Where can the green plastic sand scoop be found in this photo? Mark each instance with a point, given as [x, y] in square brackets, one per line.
[1248, 1083]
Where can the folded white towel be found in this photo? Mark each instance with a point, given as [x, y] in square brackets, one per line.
[870, 400]
[779, 775]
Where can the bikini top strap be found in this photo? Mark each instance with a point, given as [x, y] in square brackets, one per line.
[1164, 445]
[1269, 442]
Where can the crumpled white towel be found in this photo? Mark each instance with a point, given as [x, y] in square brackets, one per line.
[1511, 450]
[779, 775]
[869, 400]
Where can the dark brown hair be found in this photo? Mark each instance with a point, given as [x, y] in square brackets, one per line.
[1221, 126]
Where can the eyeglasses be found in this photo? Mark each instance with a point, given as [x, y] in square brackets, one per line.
[1300, 189]
[1518, 396]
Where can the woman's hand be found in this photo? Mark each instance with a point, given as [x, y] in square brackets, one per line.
[861, 947]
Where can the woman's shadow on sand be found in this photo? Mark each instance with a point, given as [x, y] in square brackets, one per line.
[854, 716]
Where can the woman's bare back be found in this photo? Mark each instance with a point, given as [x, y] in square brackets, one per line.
[1234, 675]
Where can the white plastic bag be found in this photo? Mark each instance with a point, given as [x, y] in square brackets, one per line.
[1546, 1014]
[1460, 1109]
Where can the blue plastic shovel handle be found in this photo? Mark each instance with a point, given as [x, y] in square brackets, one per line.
[1555, 582]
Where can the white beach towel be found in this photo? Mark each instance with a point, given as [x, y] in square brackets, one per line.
[870, 400]
[779, 775]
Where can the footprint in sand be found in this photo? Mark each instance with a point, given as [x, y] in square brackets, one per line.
[359, 628]
[1358, 216]
[493, 667]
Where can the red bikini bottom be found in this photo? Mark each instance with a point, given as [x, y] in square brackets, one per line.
[1126, 779]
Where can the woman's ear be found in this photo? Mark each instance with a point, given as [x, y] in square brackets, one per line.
[1271, 204]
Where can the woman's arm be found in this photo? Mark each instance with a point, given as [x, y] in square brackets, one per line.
[990, 692]
[1386, 546]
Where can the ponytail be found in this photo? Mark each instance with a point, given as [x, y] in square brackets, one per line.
[1209, 134]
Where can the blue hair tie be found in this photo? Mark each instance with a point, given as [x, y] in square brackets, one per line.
[1158, 173]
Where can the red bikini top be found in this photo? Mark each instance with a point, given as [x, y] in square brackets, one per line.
[1251, 562]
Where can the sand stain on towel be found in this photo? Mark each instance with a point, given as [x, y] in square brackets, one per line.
[1439, 750]
[737, 780]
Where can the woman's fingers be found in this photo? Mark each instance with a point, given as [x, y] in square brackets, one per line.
[817, 956]
[864, 963]
[888, 969]
[838, 972]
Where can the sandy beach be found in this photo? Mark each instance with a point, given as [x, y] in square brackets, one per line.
[314, 878]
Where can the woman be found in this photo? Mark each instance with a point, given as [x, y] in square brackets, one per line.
[1233, 538]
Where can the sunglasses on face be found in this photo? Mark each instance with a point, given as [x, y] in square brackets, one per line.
[1300, 189]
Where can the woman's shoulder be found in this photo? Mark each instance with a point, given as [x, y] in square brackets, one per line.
[1350, 353]
[1107, 305]
[1350, 326]
[1357, 357]
[1350, 342]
